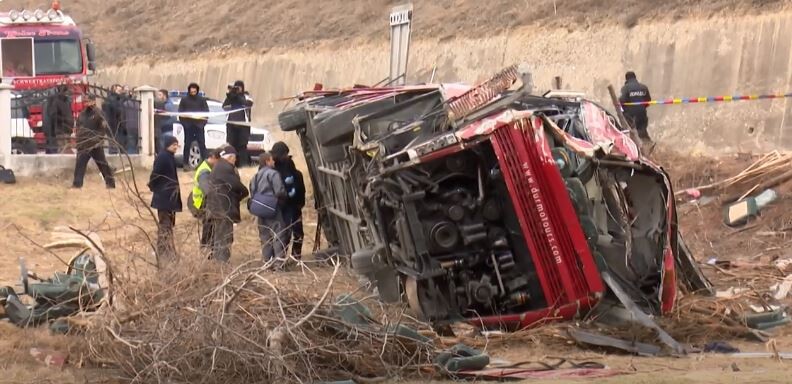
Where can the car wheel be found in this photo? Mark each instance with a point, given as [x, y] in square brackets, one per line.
[292, 119]
[195, 155]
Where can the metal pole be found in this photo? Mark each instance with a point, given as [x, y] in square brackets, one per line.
[623, 120]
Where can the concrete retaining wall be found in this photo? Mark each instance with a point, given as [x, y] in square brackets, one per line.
[681, 59]
[63, 165]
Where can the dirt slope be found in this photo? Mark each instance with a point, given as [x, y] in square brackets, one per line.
[168, 28]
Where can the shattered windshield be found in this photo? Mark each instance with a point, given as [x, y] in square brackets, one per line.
[58, 57]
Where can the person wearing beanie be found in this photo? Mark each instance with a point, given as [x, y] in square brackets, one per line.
[225, 192]
[238, 135]
[193, 127]
[294, 201]
[633, 92]
[164, 183]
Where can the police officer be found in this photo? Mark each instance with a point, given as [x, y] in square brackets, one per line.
[633, 92]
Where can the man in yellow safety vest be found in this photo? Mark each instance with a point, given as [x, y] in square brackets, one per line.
[196, 201]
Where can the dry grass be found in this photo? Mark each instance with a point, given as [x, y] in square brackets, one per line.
[190, 299]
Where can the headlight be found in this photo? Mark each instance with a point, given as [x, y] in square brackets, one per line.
[26, 14]
[39, 14]
[13, 15]
[52, 14]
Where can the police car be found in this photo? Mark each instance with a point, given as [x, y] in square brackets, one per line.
[215, 133]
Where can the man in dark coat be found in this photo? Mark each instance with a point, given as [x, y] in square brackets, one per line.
[58, 120]
[164, 183]
[224, 194]
[238, 135]
[114, 113]
[193, 127]
[131, 108]
[633, 92]
[163, 125]
[92, 130]
[294, 201]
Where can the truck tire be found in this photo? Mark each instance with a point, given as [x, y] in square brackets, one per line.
[292, 119]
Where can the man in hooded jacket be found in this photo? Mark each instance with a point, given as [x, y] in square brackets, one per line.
[238, 135]
[223, 196]
[295, 198]
[58, 120]
[164, 183]
[193, 127]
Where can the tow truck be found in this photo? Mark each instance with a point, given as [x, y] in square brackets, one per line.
[40, 49]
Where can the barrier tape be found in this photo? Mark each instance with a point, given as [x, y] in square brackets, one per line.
[711, 99]
[207, 116]
[197, 115]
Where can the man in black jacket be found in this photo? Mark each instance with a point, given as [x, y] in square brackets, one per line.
[193, 127]
[295, 198]
[114, 113]
[91, 132]
[164, 183]
[238, 135]
[633, 92]
[224, 194]
[58, 120]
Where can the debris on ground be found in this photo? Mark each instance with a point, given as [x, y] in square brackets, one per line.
[770, 170]
[82, 288]
[49, 357]
[739, 213]
[196, 324]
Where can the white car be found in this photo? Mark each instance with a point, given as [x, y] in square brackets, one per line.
[215, 133]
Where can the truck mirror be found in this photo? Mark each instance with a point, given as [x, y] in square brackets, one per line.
[90, 51]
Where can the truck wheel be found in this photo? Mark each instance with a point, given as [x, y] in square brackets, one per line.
[292, 119]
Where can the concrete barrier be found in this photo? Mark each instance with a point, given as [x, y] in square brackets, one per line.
[63, 165]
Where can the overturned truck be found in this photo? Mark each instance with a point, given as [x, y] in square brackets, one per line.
[489, 204]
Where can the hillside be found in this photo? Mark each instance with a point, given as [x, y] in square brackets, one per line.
[173, 28]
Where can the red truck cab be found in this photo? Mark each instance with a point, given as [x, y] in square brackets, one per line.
[40, 49]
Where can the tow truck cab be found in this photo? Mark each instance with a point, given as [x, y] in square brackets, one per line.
[40, 49]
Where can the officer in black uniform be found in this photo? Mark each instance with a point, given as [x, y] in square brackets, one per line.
[633, 92]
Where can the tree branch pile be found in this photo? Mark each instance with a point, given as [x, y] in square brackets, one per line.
[197, 324]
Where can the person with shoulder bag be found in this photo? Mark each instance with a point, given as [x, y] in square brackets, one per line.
[266, 195]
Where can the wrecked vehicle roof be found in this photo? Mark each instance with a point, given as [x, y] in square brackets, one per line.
[492, 205]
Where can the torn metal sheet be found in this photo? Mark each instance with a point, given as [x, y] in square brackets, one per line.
[638, 348]
[641, 317]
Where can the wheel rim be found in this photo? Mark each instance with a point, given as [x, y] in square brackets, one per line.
[195, 156]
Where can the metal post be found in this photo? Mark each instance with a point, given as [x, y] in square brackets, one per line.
[400, 19]
[147, 129]
[623, 120]
[5, 123]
